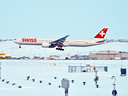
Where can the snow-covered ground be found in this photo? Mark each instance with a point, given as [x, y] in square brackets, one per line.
[16, 71]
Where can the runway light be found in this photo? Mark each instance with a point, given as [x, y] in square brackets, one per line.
[3, 80]
[28, 77]
[19, 86]
[7, 82]
[40, 81]
[33, 80]
[84, 83]
[72, 81]
[13, 84]
[49, 83]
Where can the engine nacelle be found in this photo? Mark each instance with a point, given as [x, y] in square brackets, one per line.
[65, 44]
[46, 44]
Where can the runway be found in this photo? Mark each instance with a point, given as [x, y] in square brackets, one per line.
[45, 71]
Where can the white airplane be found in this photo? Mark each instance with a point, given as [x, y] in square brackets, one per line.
[63, 42]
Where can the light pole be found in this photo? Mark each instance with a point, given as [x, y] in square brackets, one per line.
[65, 85]
[113, 80]
[96, 79]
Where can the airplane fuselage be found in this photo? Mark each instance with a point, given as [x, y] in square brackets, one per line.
[68, 42]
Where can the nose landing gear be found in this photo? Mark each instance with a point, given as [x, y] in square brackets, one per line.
[19, 46]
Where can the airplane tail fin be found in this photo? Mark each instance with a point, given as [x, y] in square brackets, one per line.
[101, 34]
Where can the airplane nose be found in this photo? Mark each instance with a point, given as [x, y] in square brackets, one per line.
[15, 41]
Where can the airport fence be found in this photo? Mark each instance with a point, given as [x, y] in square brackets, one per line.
[58, 64]
[40, 64]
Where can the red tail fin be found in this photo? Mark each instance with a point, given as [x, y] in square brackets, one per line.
[102, 33]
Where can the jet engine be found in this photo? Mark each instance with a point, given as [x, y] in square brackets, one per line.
[46, 45]
[65, 44]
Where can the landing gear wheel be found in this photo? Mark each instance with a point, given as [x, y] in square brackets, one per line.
[19, 46]
[60, 49]
[57, 48]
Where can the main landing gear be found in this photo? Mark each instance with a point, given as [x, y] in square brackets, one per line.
[60, 49]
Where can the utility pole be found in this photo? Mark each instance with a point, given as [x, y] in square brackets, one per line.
[0, 69]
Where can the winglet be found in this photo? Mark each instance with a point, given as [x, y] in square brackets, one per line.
[67, 35]
[101, 34]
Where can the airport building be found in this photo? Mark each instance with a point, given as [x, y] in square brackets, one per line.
[108, 55]
[2, 56]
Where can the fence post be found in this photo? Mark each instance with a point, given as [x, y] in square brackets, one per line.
[0, 69]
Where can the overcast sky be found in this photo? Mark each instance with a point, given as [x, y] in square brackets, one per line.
[56, 18]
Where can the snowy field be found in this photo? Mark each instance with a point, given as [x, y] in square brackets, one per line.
[16, 71]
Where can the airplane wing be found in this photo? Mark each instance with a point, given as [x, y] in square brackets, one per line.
[59, 42]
